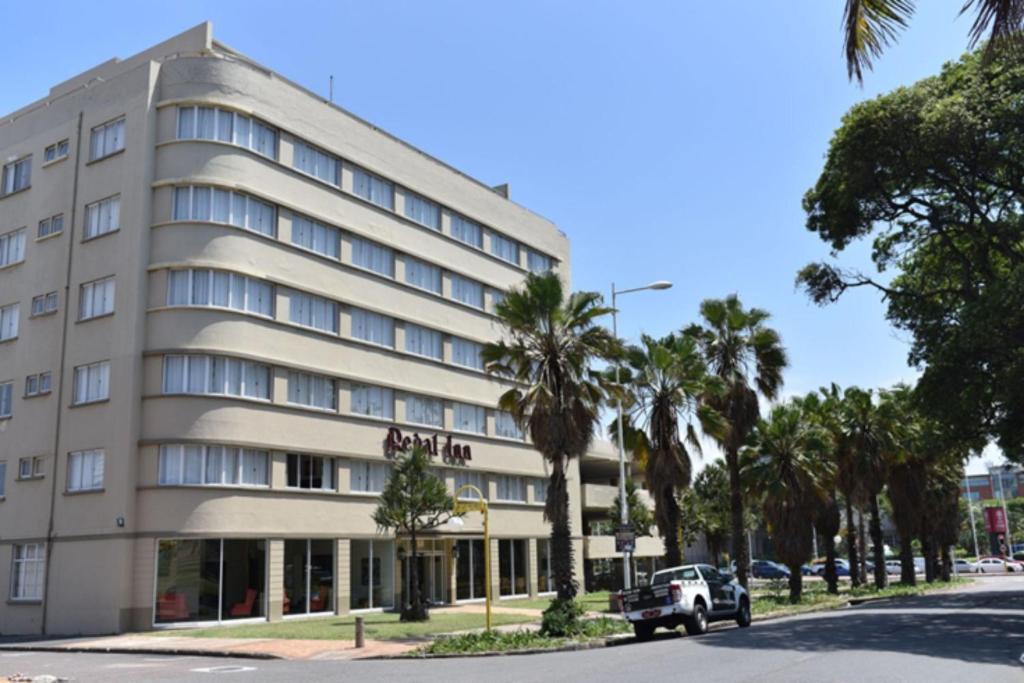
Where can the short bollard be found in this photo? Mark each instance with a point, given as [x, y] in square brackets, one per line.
[360, 637]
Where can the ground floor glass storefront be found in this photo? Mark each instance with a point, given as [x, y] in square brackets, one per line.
[210, 580]
[372, 575]
[308, 576]
[470, 579]
[512, 563]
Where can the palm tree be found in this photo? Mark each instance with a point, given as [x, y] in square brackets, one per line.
[550, 342]
[667, 381]
[869, 26]
[820, 410]
[747, 356]
[781, 469]
[906, 475]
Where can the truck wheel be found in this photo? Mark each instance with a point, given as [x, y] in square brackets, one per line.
[643, 631]
[697, 623]
[743, 614]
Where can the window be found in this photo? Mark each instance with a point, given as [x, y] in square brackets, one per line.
[512, 567]
[372, 574]
[373, 327]
[373, 401]
[374, 189]
[368, 477]
[216, 375]
[212, 466]
[540, 490]
[422, 275]
[17, 175]
[57, 150]
[96, 298]
[423, 342]
[107, 139]
[467, 353]
[505, 426]
[220, 289]
[6, 399]
[210, 579]
[44, 304]
[467, 291]
[12, 247]
[316, 163]
[468, 478]
[9, 321]
[315, 391]
[511, 488]
[223, 206]
[102, 217]
[545, 580]
[27, 575]
[3, 479]
[537, 262]
[36, 385]
[424, 410]
[54, 225]
[469, 418]
[315, 236]
[85, 470]
[504, 248]
[497, 296]
[30, 468]
[312, 311]
[422, 210]
[373, 256]
[92, 382]
[310, 472]
[208, 123]
[309, 571]
[467, 231]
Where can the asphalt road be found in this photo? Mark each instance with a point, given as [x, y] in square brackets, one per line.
[975, 634]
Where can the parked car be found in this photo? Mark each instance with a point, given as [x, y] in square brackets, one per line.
[764, 569]
[842, 567]
[807, 570]
[962, 566]
[893, 567]
[997, 565]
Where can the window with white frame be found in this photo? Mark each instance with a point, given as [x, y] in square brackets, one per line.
[537, 262]
[44, 304]
[469, 418]
[424, 410]
[315, 391]
[467, 231]
[212, 205]
[504, 248]
[85, 470]
[12, 247]
[540, 490]
[497, 296]
[28, 571]
[92, 382]
[106, 139]
[57, 150]
[310, 472]
[422, 210]
[374, 189]
[467, 291]
[209, 123]
[216, 375]
[313, 311]
[470, 478]
[54, 225]
[467, 353]
[423, 341]
[505, 425]
[38, 384]
[317, 163]
[202, 465]
[373, 327]
[16, 175]
[220, 289]
[373, 401]
[510, 488]
[373, 256]
[315, 236]
[6, 399]
[423, 275]
[96, 298]
[9, 321]
[30, 468]
[368, 477]
[103, 217]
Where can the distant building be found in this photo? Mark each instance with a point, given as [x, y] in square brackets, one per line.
[978, 487]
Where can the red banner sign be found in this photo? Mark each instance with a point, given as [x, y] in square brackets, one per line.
[995, 520]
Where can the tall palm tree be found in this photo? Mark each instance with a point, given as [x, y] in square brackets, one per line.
[820, 410]
[748, 357]
[906, 474]
[781, 469]
[869, 26]
[667, 383]
[549, 345]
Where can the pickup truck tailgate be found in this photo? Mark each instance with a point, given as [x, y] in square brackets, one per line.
[647, 597]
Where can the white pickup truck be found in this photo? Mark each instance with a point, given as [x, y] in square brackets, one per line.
[692, 595]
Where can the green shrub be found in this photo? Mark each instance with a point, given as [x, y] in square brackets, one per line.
[562, 619]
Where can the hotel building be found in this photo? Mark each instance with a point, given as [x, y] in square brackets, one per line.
[218, 294]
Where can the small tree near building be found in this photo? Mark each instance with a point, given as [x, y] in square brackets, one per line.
[639, 514]
[414, 500]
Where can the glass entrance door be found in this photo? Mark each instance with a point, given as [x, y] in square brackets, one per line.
[432, 571]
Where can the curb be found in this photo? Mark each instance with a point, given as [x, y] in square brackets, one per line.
[607, 641]
[182, 652]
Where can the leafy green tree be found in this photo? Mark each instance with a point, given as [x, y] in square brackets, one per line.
[820, 410]
[711, 491]
[414, 500]
[930, 173]
[906, 473]
[551, 341]
[748, 358]
[639, 515]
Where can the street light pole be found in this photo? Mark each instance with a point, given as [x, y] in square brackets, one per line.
[627, 582]
[970, 511]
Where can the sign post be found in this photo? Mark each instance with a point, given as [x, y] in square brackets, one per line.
[625, 539]
[995, 525]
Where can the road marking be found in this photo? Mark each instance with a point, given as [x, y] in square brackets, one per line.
[229, 669]
[17, 654]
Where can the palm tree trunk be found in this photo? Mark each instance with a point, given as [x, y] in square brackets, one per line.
[851, 545]
[947, 563]
[908, 573]
[557, 512]
[739, 539]
[862, 551]
[881, 577]
[796, 584]
[670, 532]
[831, 577]
[929, 558]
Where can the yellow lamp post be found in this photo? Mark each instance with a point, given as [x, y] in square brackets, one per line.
[479, 505]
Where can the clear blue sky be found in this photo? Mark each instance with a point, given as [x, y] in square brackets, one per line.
[667, 139]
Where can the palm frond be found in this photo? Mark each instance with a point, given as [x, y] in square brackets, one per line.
[998, 21]
[869, 26]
